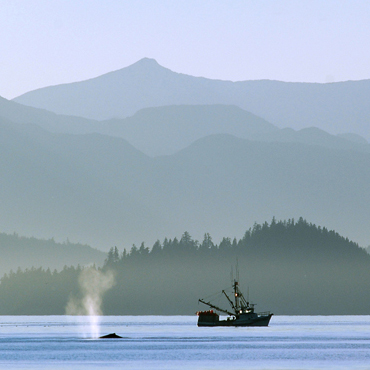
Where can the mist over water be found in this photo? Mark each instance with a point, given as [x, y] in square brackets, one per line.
[93, 284]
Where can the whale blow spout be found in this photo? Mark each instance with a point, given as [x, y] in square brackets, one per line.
[110, 336]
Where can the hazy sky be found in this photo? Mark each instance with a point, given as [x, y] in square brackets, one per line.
[48, 42]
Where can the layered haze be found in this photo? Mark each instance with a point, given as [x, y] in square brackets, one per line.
[100, 190]
[166, 130]
[174, 160]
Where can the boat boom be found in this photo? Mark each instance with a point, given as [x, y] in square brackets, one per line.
[216, 308]
[230, 301]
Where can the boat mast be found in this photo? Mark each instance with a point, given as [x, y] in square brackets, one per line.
[236, 295]
[236, 289]
[240, 302]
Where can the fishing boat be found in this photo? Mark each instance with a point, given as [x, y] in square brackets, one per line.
[242, 313]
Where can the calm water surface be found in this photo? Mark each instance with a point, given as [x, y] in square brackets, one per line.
[175, 342]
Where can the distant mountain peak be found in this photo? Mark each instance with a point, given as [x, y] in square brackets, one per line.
[144, 66]
[145, 63]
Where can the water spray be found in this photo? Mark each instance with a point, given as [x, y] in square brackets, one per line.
[93, 284]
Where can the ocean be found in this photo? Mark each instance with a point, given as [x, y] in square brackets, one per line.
[175, 342]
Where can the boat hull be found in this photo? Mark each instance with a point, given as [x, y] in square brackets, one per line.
[242, 321]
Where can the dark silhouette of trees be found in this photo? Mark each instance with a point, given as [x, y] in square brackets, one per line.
[38, 291]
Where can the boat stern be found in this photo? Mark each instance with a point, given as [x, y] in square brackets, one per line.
[208, 318]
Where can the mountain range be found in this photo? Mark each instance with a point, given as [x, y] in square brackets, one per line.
[157, 170]
[337, 108]
[100, 190]
[166, 130]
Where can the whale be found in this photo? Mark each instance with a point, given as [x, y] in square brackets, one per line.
[110, 336]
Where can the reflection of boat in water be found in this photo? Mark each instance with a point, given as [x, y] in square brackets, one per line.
[243, 312]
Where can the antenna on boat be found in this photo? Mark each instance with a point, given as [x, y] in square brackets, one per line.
[237, 270]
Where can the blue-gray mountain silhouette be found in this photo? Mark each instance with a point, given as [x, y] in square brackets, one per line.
[335, 107]
[102, 191]
[168, 129]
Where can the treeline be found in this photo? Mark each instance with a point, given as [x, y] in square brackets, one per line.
[37, 291]
[290, 239]
[289, 268]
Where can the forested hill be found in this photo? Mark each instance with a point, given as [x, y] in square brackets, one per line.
[288, 267]
[26, 252]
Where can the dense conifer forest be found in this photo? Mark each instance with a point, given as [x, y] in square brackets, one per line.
[287, 267]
